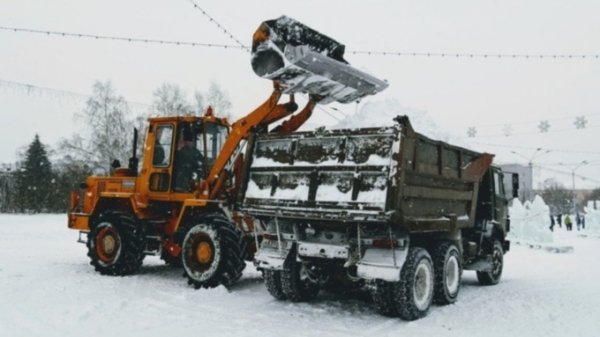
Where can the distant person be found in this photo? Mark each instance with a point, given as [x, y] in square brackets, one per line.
[578, 221]
[552, 223]
[559, 220]
[582, 221]
[568, 222]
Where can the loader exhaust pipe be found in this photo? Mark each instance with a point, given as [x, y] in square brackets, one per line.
[134, 161]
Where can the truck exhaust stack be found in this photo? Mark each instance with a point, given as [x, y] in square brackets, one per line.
[306, 61]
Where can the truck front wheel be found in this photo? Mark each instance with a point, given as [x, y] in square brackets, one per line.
[448, 271]
[493, 276]
[414, 291]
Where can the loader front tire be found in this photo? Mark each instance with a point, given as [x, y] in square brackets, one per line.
[116, 243]
[213, 251]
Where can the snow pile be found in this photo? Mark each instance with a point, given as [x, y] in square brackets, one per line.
[592, 217]
[382, 113]
[530, 222]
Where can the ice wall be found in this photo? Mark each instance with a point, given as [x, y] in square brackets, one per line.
[530, 222]
[592, 217]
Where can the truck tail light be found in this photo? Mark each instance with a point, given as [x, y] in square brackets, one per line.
[385, 243]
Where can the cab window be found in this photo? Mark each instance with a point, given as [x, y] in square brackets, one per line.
[162, 146]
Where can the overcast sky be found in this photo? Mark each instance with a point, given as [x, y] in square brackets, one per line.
[486, 93]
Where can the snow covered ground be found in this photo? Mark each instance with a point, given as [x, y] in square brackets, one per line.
[47, 288]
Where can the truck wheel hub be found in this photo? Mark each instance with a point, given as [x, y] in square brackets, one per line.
[422, 286]
[452, 275]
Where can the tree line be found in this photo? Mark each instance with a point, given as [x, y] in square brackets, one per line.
[43, 176]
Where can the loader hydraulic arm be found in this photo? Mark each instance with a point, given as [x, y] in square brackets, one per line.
[268, 112]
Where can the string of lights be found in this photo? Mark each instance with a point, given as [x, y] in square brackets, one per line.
[120, 38]
[225, 31]
[240, 46]
[476, 55]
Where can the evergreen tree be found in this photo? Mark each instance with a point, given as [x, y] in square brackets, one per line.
[35, 180]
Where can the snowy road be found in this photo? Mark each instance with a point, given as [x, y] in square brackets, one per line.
[47, 288]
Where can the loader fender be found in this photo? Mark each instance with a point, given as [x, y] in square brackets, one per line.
[124, 202]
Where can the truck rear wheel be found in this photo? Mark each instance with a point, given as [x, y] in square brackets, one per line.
[115, 244]
[212, 252]
[383, 297]
[414, 291]
[493, 277]
[273, 284]
[448, 271]
[296, 284]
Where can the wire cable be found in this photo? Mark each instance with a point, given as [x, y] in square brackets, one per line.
[225, 31]
[120, 38]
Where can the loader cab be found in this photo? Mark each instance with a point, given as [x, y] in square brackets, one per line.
[182, 152]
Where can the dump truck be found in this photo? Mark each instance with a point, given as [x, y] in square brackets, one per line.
[386, 208]
[179, 203]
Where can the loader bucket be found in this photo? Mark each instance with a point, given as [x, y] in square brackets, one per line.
[306, 61]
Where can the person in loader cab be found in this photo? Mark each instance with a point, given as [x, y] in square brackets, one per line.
[189, 163]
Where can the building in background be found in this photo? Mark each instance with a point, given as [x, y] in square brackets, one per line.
[525, 180]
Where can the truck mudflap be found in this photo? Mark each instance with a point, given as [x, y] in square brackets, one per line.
[306, 61]
[382, 263]
[272, 254]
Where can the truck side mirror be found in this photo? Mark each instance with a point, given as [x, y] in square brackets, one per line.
[515, 185]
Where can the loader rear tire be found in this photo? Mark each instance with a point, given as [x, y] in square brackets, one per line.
[492, 277]
[116, 243]
[383, 297]
[213, 251]
[296, 284]
[273, 284]
[448, 272]
[414, 291]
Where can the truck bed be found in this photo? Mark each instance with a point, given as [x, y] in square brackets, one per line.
[363, 175]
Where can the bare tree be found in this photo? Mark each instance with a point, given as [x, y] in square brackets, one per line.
[557, 197]
[170, 100]
[215, 97]
[106, 129]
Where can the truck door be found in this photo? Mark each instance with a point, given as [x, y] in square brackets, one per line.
[500, 200]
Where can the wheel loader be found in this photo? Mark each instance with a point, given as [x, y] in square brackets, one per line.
[179, 204]
[383, 208]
